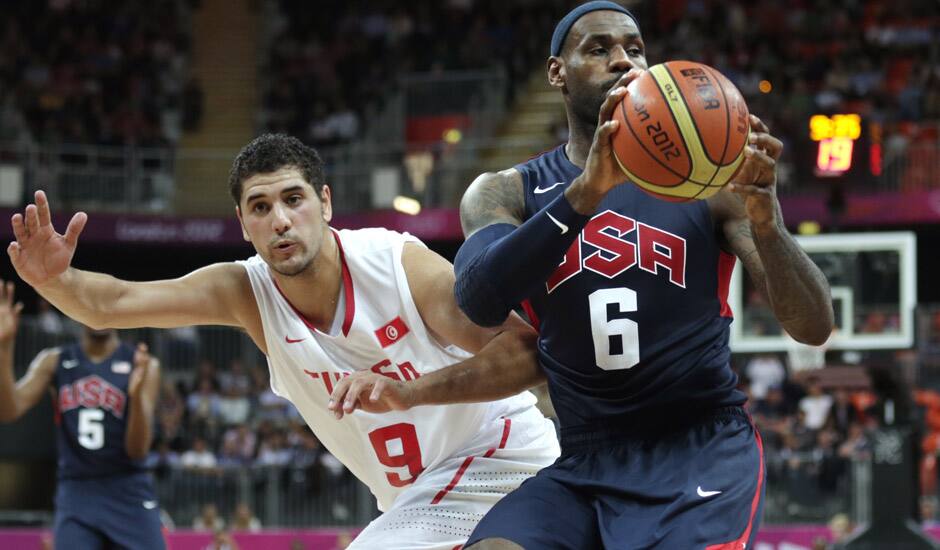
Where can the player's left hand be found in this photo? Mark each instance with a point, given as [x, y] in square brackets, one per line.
[142, 361]
[756, 181]
[371, 392]
[9, 313]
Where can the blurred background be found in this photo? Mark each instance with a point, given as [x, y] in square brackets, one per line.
[133, 111]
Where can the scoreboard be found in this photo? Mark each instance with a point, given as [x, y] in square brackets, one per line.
[843, 147]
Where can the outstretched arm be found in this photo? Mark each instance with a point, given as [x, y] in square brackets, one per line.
[212, 295]
[503, 259]
[752, 227]
[142, 390]
[18, 397]
[505, 362]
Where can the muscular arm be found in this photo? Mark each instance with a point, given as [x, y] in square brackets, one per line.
[140, 418]
[492, 198]
[18, 397]
[502, 262]
[505, 362]
[794, 286]
[215, 294]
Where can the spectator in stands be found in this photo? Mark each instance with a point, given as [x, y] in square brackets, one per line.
[763, 371]
[170, 412]
[203, 408]
[209, 519]
[244, 519]
[240, 441]
[842, 414]
[199, 457]
[815, 405]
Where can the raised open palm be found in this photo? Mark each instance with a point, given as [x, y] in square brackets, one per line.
[39, 253]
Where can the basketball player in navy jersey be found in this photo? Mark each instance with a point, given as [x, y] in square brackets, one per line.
[105, 393]
[630, 296]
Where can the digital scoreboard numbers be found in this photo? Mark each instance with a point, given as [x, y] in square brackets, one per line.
[836, 136]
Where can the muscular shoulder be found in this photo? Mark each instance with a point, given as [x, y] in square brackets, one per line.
[494, 197]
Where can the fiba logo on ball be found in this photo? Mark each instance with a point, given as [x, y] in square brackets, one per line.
[683, 129]
[391, 332]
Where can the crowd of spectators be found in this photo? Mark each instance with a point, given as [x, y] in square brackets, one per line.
[871, 57]
[327, 65]
[103, 72]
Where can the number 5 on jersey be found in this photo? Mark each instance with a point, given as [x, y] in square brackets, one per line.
[617, 340]
[91, 428]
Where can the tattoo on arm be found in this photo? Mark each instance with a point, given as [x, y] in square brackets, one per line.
[492, 198]
[794, 286]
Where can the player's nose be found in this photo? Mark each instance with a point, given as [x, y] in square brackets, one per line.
[280, 221]
[619, 61]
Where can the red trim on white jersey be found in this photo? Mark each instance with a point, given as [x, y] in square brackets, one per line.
[348, 293]
[466, 463]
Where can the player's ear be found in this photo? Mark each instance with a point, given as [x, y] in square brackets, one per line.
[326, 203]
[555, 67]
[238, 214]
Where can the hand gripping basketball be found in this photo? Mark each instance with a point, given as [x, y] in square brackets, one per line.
[756, 181]
[601, 171]
[39, 254]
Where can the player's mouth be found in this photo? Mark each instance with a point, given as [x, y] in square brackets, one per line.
[286, 247]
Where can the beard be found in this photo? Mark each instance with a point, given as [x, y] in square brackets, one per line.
[291, 267]
[586, 100]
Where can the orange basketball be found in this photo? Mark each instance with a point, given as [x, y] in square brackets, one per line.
[683, 128]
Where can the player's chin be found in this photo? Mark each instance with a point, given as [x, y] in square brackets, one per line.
[290, 266]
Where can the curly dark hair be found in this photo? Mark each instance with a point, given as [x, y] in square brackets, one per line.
[271, 152]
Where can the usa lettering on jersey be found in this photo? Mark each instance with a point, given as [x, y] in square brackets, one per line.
[613, 254]
[92, 392]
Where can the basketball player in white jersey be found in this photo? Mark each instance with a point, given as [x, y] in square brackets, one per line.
[323, 304]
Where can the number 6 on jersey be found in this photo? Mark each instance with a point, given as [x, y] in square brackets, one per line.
[616, 341]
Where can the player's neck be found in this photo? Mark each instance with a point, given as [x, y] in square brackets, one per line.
[315, 292]
[580, 137]
[99, 349]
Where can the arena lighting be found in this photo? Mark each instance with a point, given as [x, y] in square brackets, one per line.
[406, 205]
[453, 136]
[836, 135]
[765, 86]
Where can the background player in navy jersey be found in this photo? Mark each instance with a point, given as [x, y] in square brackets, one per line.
[105, 394]
[630, 295]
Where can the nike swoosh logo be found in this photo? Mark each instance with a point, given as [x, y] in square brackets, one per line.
[539, 190]
[563, 227]
[150, 504]
[69, 363]
[706, 494]
[292, 341]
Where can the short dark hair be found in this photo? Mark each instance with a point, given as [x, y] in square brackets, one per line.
[271, 152]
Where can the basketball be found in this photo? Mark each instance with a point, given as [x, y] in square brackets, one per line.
[683, 128]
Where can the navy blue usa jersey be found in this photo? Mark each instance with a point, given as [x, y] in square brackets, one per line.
[634, 319]
[92, 409]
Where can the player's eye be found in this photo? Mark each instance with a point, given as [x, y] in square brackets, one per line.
[635, 52]
[294, 200]
[259, 207]
[598, 51]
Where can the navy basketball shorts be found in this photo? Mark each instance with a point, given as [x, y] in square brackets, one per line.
[108, 512]
[697, 486]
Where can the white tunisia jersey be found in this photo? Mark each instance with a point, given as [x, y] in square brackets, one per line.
[381, 330]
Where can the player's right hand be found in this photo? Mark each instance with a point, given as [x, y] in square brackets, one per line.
[39, 254]
[601, 172]
[370, 392]
[9, 313]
